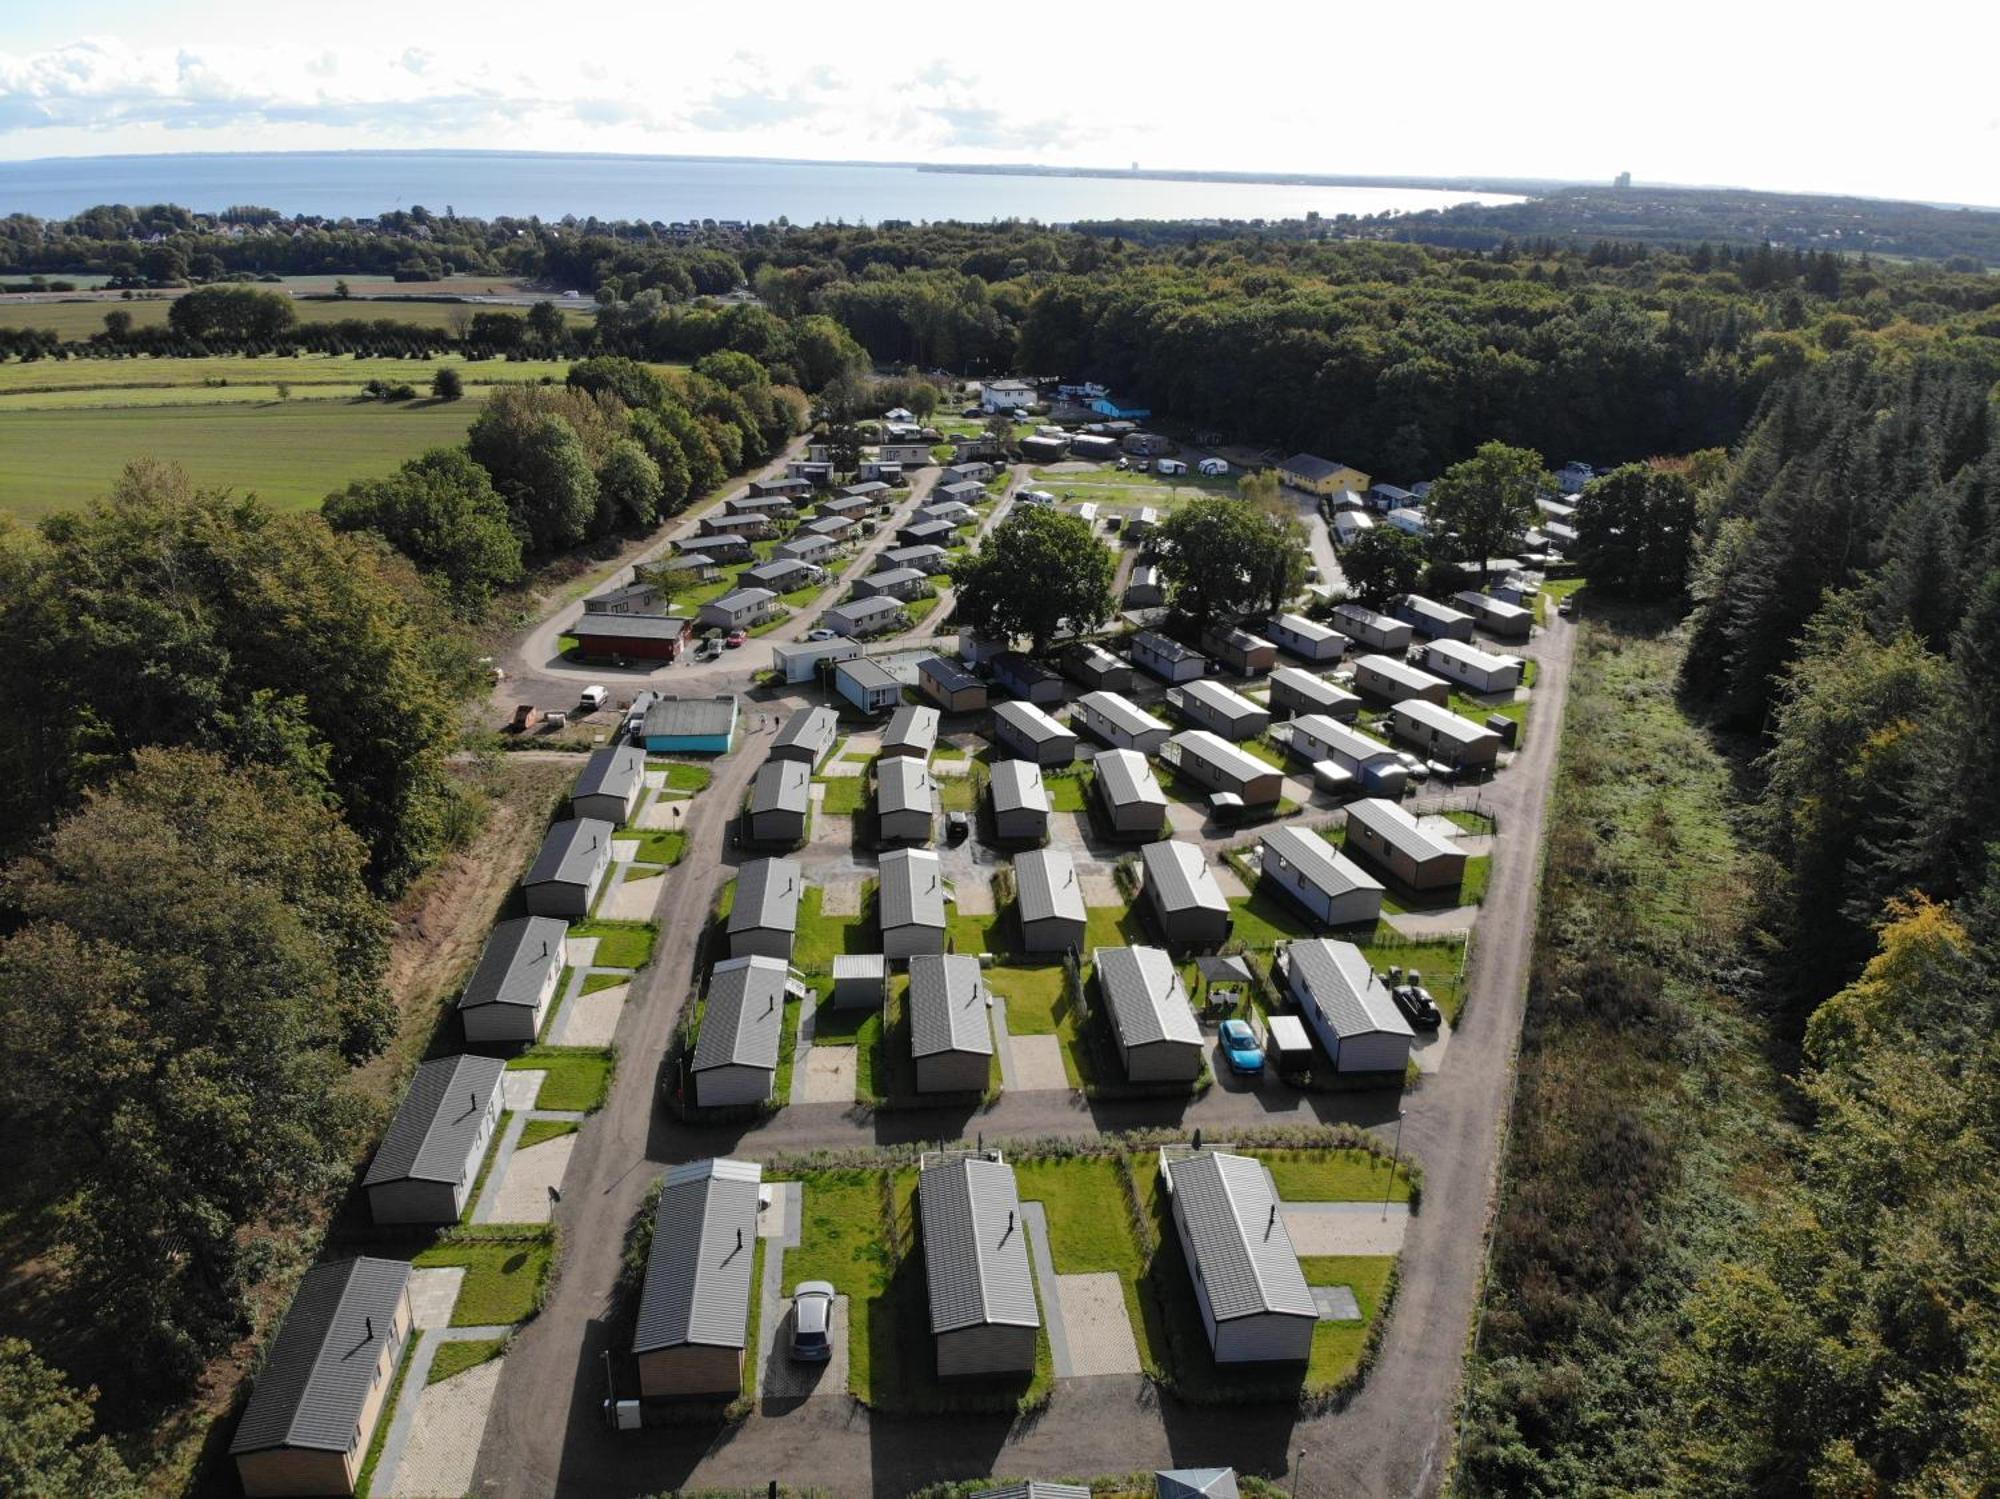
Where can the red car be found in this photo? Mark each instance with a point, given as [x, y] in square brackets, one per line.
[736, 638]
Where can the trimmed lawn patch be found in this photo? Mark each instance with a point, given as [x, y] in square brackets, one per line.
[578, 1076]
[592, 982]
[841, 1240]
[1477, 823]
[457, 1357]
[845, 796]
[821, 937]
[1068, 790]
[1333, 1175]
[504, 1278]
[620, 944]
[1265, 918]
[1269, 753]
[1038, 1006]
[1115, 926]
[788, 1046]
[1438, 959]
[957, 793]
[1090, 1232]
[541, 1131]
[682, 777]
[1338, 1346]
[659, 846]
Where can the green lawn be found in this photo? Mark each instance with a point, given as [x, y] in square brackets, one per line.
[1068, 789]
[578, 1076]
[1334, 1175]
[541, 1131]
[957, 794]
[503, 1277]
[976, 934]
[620, 944]
[592, 982]
[1090, 1232]
[683, 778]
[845, 795]
[1036, 1006]
[1438, 959]
[657, 845]
[1476, 823]
[788, 1046]
[256, 371]
[1115, 926]
[1269, 753]
[457, 1357]
[1338, 1346]
[841, 1240]
[820, 936]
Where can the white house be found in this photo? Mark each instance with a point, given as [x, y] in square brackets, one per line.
[1374, 766]
[1346, 1004]
[1006, 395]
[739, 609]
[1255, 1304]
[867, 684]
[869, 616]
[1329, 885]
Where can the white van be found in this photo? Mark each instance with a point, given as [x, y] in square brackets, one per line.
[592, 698]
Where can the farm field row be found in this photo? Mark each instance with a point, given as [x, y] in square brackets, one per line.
[78, 320]
[51, 375]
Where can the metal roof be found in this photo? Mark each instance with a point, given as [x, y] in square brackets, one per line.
[911, 727]
[437, 1121]
[1214, 750]
[859, 965]
[1035, 1488]
[948, 1006]
[1304, 684]
[767, 896]
[915, 556]
[1360, 616]
[1361, 748]
[1348, 992]
[1219, 699]
[1017, 787]
[1305, 629]
[903, 784]
[320, 1370]
[975, 1246]
[949, 675]
[1434, 612]
[860, 611]
[1471, 655]
[697, 1288]
[1145, 996]
[631, 627]
[516, 962]
[1397, 828]
[1195, 1483]
[1162, 646]
[781, 786]
[809, 728]
[1179, 879]
[1241, 1250]
[1485, 605]
[690, 717]
[1121, 712]
[830, 525]
[893, 577]
[742, 598]
[1127, 779]
[775, 571]
[744, 1016]
[1443, 722]
[912, 889]
[616, 770]
[1019, 666]
[1237, 638]
[1400, 672]
[869, 676]
[721, 539]
[572, 852]
[1047, 886]
[1308, 466]
[1324, 867]
[1030, 722]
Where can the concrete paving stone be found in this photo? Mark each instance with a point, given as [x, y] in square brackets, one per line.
[1336, 1303]
[656, 780]
[832, 834]
[844, 768]
[787, 1379]
[1096, 1324]
[662, 815]
[1182, 818]
[624, 850]
[592, 1019]
[951, 765]
[1475, 845]
[1440, 826]
[1228, 881]
[523, 1194]
[841, 896]
[433, 1293]
[972, 893]
[829, 1075]
[1428, 1050]
[581, 952]
[1099, 888]
[861, 746]
[1364, 1231]
[632, 900]
[1038, 1063]
[518, 1089]
[444, 1437]
[771, 1214]
[1453, 922]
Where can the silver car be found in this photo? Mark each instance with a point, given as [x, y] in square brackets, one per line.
[812, 1322]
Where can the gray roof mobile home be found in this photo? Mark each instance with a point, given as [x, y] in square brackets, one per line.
[1242, 652]
[906, 799]
[1307, 639]
[912, 731]
[950, 685]
[567, 873]
[892, 583]
[1097, 668]
[1026, 678]
[867, 616]
[1050, 901]
[764, 920]
[736, 1053]
[424, 1169]
[1020, 801]
[1025, 732]
[910, 902]
[1390, 679]
[951, 1039]
[509, 992]
[1347, 1006]
[808, 736]
[694, 1309]
[1218, 766]
[1296, 691]
[1473, 669]
[1440, 734]
[1128, 792]
[609, 787]
[1255, 1304]
[1432, 620]
[1367, 627]
[1322, 880]
[984, 1318]
[1120, 722]
[1185, 899]
[1209, 705]
[1391, 837]
[1166, 658]
[1147, 1004]
[869, 685]
[779, 800]
[1496, 617]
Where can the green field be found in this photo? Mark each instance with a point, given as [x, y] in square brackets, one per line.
[261, 373]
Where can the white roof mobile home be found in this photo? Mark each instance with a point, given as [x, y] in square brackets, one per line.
[1470, 667]
[1255, 1304]
[1315, 874]
[1376, 631]
[1347, 1006]
[1392, 680]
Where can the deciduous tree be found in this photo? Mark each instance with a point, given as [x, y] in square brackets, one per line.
[1382, 564]
[442, 512]
[1479, 508]
[1635, 530]
[1041, 571]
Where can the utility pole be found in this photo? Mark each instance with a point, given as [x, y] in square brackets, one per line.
[1395, 1164]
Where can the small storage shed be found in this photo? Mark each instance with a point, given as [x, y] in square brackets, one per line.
[1024, 732]
[912, 733]
[951, 1040]
[1384, 832]
[1186, 902]
[570, 869]
[1096, 668]
[735, 1057]
[1026, 678]
[984, 1318]
[1128, 793]
[1346, 1005]
[764, 919]
[1371, 629]
[1307, 639]
[1239, 650]
[780, 798]
[867, 684]
[1167, 659]
[1255, 1304]
[906, 800]
[1209, 705]
[1049, 900]
[1328, 885]
[859, 980]
[1432, 620]
[1473, 669]
[1020, 802]
[910, 902]
[948, 684]
[1440, 734]
[1142, 993]
[429, 1157]
[1388, 679]
[1497, 617]
[808, 736]
[324, 1384]
[1121, 723]
[1295, 691]
[1375, 767]
[690, 725]
[1216, 765]
[694, 1309]
[509, 992]
[609, 787]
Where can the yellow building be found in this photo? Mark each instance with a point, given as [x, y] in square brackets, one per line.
[1321, 475]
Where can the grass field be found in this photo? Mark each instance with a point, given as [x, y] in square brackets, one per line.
[261, 372]
[503, 1277]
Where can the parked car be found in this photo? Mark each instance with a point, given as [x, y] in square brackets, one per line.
[812, 1322]
[957, 827]
[822, 634]
[708, 650]
[592, 698]
[1567, 606]
[1239, 1045]
[1414, 768]
[1414, 1000]
[736, 638]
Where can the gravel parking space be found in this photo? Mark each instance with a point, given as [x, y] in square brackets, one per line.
[1347, 1228]
[433, 1293]
[1094, 1320]
[828, 1075]
[785, 1378]
[1428, 1050]
[972, 893]
[841, 896]
[834, 768]
[661, 813]
[1038, 1064]
[592, 1019]
[444, 1437]
[1453, 922]
[632, 900]
[1229, 882]
[1099, 888]
[523, 1195]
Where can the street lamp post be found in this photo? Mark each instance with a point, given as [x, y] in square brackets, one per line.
[1395, 1164]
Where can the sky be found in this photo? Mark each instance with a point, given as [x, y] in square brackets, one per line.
[1900, 103]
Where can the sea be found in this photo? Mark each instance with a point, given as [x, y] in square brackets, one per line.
[488, 184]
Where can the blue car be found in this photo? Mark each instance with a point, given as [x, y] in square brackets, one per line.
[1239, 1044]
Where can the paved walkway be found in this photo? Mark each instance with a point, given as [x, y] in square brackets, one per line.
[519, 1088]
[433, 1293]
[442, 1447]
[1347, 1227]
[1035, 1222]
[1038, 1064]
[663, 814]
[523, 1195]
[1096, 1324]
[590, 1019]
[631, 900]
[827, 1074]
